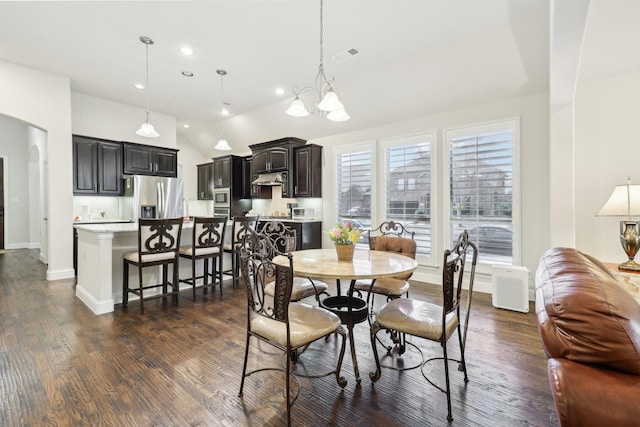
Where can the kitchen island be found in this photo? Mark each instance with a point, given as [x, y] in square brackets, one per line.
[100, 250]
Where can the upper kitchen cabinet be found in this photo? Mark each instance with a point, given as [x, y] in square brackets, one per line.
[149, 160]
[227, 173]
[205, 181]
[271, 160]
[273, 156]
[307, 171]
[246, 177]
[97, 166]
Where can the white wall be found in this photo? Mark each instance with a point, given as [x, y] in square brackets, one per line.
[101, 118]
[43, 100]
[534, 151]
[607, 126]
[14, 151]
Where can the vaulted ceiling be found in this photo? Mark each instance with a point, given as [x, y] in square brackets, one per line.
[417, 57]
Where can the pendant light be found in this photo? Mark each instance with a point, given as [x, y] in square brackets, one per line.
[147, 129]
[327, 100]
[222, 144]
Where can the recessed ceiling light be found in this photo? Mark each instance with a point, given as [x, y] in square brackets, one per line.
[139, 86]
[186, 125]
[224, 111]
[279, 91]
[186, 50]
[187, 73]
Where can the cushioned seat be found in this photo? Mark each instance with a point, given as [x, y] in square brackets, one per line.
[307, 323]
[303, 287]
[419, 318]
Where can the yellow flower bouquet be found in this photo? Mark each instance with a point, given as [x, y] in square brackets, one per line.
[344, 234]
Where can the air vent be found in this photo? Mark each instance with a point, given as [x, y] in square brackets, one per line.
[347, 54]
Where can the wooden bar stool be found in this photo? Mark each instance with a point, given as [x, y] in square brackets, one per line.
[207, 241]
[241, 225]
[158, 244]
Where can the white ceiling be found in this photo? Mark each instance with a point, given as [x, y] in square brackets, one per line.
[418, 57]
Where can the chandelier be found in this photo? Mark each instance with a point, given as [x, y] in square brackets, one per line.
[327, 100]
[222, 144]
[147, 129]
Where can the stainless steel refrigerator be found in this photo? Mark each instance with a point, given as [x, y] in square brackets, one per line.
[151, 197]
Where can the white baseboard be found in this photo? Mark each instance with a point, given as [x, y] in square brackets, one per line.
[98, 307]
[60, 274]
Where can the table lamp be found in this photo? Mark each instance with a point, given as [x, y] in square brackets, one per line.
[625, 201]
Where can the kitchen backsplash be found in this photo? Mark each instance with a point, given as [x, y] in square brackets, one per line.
[277, 204]
[89, 207]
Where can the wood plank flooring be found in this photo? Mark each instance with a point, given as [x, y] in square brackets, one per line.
[61, 365]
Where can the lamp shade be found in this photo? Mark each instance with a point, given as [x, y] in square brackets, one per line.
[338, 115]
[330, 102]
[147, 131]
[624, 201]
[297, 108]
[222, 145]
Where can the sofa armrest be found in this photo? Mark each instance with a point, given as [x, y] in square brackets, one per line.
[588, 395]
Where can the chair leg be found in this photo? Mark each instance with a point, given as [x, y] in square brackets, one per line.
[375, 328]
[141, 290]
[462, 366]
[175, 287]
[244, 366]
[125, 284]
[193, 277]
[234, 269]
[288, 385]
[446, 374]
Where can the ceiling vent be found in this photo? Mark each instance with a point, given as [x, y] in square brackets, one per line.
[347, 54]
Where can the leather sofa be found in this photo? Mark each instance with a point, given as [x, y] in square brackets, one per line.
[590, 330]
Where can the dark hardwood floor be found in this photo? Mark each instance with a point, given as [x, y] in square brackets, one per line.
[180, 365]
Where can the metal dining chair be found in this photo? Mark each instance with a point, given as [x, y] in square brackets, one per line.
[284, 240]
[432, 321]
[285, 325]
[206, 245]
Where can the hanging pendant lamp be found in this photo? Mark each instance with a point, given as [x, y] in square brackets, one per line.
[147, 129]
[222, 144]
[327, 100]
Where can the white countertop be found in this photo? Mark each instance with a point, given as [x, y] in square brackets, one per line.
[100, 221]
[123, 227]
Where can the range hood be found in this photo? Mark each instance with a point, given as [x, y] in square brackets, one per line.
[268, 179]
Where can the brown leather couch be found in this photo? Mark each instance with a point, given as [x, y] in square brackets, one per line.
[590, 330]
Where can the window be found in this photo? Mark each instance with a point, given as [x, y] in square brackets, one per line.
[481, 160]
[408, 164]
[354, 181]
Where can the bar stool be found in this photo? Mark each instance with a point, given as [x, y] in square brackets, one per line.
[241, 225]
[158, 244]
[207, 241]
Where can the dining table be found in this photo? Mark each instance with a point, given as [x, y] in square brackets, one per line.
[366, 264]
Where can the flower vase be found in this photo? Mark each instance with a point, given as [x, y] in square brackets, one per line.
[345, 252]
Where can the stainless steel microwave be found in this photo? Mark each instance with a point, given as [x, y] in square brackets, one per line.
[222, 198]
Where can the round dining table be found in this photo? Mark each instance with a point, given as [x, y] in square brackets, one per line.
[366, 264]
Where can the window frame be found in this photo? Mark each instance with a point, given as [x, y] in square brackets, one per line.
[449, 134]
[382, 172]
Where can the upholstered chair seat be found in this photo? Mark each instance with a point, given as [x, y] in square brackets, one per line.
[303, 287]
[418, 318]
[307, 323]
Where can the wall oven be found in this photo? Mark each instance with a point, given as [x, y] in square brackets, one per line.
[222, 211]
[222, 198]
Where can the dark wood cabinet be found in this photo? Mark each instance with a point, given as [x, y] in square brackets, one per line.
[205, 181]
[271, 160]
[228, 173]
[308, 233]
[274, 156]
[149, 160]
[222, 172]
[246, 177]
[97, 166]
[307, 171]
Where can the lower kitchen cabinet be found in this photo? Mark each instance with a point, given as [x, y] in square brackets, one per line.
[308, 233]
